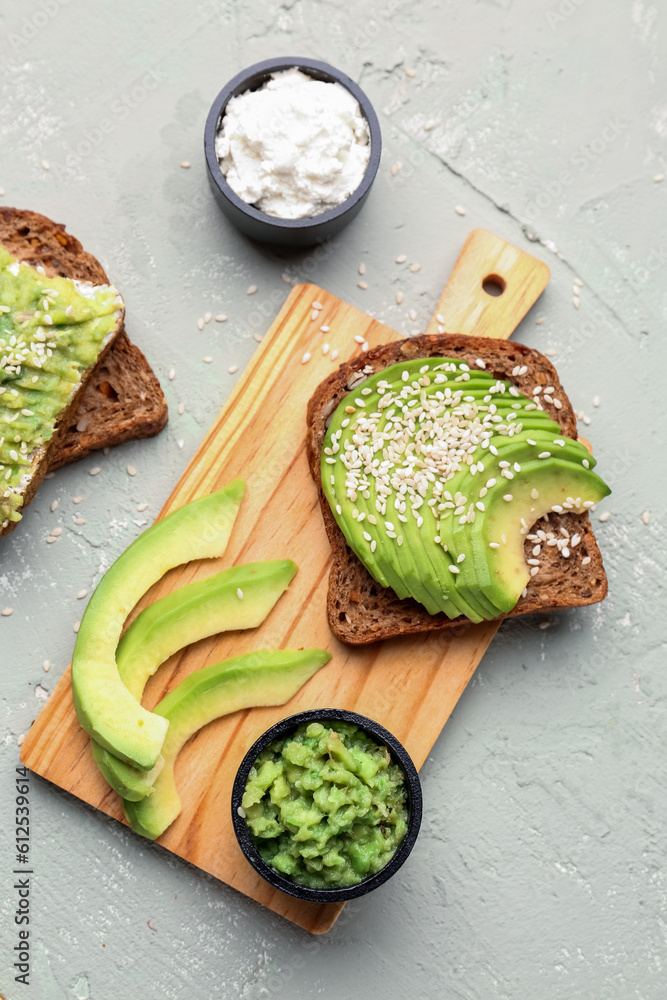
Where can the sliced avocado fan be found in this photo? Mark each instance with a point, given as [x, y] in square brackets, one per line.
[236, 598]
[265, 677]
[104, 706]
[427, 461]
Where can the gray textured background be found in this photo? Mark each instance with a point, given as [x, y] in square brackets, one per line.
[540, 869]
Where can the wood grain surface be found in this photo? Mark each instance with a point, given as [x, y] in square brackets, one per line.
[409, 685]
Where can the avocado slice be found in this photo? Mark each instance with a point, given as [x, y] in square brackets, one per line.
[501, 572]
[194, 612]
[104, 706]
[265, 677]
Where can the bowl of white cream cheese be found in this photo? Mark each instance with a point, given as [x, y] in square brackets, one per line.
[292, 148]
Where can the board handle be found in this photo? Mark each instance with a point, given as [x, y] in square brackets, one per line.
[490, 290]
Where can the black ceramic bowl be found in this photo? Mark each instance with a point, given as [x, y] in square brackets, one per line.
[400, 756]
[268, 228]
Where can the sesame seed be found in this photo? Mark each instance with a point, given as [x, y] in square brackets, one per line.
[79, 521]
[401, 259]
[95, 471]
[54, 505]
[585, 561]
[534, 570]
[76, 626]
[142, 507]
[251, 290]
[77, 499]
[480, 363]
[46, 666]
[200, 323]
[185, 164]
[359, 339]
[325, 348]
[362, 268]
[56, 532]
[415, 267]
[411, 73]
[325, 328]
[181, 408]
[412, 314]
[314, 314]
[544, 454]
[257, 337]
[363, 285]
[208, 317]
[239, 593]
[6, 612]
[646, 517]
[46, 165]
[429, 125]
[306, 358]
[395, 168]
[605, 515]
[658, 179]
[534, 494]
[507, 497]
[454, 569]
[172, 374]
[460, 558]
[131, 471]
[494, 545]
[578, 282]
[596, 400]
[575, 302]
[207, 360]
[334, 354]
[399, 297]
[540, 320]
[233, 369]
[82, 593]
[220, 318]
[460, 210]
[550, 352]
[317, 305]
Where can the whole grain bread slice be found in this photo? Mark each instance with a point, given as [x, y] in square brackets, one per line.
[122, 399]
[359, 610]
[119, 398]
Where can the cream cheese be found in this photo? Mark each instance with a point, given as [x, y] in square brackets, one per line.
[294, 148]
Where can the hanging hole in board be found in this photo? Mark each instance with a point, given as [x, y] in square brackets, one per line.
[494, 285]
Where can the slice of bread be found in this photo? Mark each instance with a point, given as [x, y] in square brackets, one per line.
[359, 609]
[120, 397]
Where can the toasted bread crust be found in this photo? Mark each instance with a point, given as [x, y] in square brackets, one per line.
[359, 610]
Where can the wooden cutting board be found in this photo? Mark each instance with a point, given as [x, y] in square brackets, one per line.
[409, 685]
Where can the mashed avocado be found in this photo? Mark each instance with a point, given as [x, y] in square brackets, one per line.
[51, 330]
[326, 807]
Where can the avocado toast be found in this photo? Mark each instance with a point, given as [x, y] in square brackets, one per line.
[565, 562]
[118, 397]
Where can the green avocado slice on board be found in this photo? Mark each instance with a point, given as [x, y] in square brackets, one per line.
[265, 677]
[104, 706]
[236, 598]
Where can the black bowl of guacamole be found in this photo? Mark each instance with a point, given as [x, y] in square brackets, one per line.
[326, 805]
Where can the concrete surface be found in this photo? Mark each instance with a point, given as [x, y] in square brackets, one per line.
[540, 869]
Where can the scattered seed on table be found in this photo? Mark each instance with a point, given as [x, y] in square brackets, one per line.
[646, 517]
[396, 168]
[460, 210]
[415, 267]
[605, 515]
[540, 321]
[334, 354]
[54, 505]
[401, 259]
[578, 282]
[2, 192]
[76, 626]
[575, 301]
[172, 374]
[207, 360]
[412, 313]
[314, 314]
[51, 539]
[82, 593]
[46, 666]
[208, 317]
[233, 369]
[358, 338]
[46, 165]
[77, 499]
[399, 297]
[363, 285]
[325, 328]
[180, 443]
[6, 612]
[185, 164]
[257, 337]
[325, 348]
[95, 471]
[20, 739]
[362, 268]
[286, 278]
[550, 352]
[142, 507]
[151, 925]
[317, 305]
[200, 323]
[79, 520]
[131, 471]
[251, 290]
[220, 318]
[429, 125]
[596, 400]
[411, 72]
[306, 358]
[181, 408]
[56, 533]
[658, 178]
